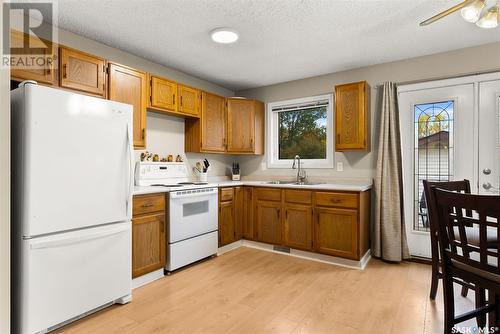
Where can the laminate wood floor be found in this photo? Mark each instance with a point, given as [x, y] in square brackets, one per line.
[253, 291]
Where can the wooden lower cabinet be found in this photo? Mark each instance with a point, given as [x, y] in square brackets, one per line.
[148, 240]
[226, 223]
[148, 234]
[248, 214]
[268, 222]
[336, 232]
[298, 226]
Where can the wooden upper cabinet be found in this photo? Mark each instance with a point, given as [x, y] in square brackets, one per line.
[268, 220]
[163, 94]
[298, 226]
[336, 232]
[81, 71]
[245, 126]
[352, 117]
[130, 86]
[207, 134]
[46, 74]
[189, 101]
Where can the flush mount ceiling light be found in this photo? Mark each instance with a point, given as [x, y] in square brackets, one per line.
[471, 12]
[490, 19]
[224, 35]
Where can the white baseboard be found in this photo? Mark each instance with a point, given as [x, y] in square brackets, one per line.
[147, 278]
[301, 254]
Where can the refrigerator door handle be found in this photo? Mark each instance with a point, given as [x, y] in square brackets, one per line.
[131, 171]
[62, 240]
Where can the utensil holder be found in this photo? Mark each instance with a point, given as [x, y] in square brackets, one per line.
[203, 177]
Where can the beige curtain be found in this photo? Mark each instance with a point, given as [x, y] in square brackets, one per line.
[389, 235]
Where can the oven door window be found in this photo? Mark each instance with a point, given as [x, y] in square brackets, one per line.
[194, 208]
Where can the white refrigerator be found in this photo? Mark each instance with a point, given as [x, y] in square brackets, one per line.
[72, 179]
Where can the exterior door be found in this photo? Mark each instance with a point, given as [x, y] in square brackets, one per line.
[449, 131]
[489, 137]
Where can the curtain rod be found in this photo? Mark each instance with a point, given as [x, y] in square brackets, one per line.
[441, 78]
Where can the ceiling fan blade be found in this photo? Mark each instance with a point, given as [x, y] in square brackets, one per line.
[446, 12]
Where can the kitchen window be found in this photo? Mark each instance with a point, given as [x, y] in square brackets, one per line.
[301, 127]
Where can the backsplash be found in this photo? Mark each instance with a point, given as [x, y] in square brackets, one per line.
[165, 136]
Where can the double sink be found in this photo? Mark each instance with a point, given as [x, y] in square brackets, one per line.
[296, 183]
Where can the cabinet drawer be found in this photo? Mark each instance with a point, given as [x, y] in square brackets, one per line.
[268, 194]
[298, 196]
[344, 200]
[148, 203]
[226, 194]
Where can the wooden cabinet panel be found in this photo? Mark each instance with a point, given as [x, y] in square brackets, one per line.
[336, 232]
[213, 128]
[298, 226]
[240, 125]
[143, 204]
[148, 244]
[269, 227]
[130, 86]
[226, 223]
[81, 71]
[46, 74]
[163, 94]
[226, 194]
[189, 101]
[248, 213]
[298, 196]
[238, 212]
[268, 194]
[345, 200]
[352, 103]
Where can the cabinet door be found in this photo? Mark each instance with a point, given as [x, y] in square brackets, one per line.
[298, 226]
[336, 232]
[189, 103]
[81, 71]
[269, 222]
[240, 125]
[351, 116]
[163, 94]
[148, 244]
[45, 74]
[248, 222]
[213, 128]
[238, 212]
[226, 223]
[130, 86]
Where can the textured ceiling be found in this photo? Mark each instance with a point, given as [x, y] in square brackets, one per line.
[280, 40]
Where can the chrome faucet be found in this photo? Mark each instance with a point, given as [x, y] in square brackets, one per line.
[301, 174]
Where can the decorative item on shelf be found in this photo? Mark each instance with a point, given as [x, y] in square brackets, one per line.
[164, 159]
[179, 158]
[235, 172]
[170, 158]
[146, 156]
[156, 158]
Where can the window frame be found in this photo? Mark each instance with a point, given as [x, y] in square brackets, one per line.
[272, 141]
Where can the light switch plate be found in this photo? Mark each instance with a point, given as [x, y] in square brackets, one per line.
[340, 166]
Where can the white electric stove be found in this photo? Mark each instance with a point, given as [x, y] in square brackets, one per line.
[192, 211]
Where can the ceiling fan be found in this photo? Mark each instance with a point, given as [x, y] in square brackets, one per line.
[471, 12]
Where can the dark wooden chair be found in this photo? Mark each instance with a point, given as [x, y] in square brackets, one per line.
[477, 263]
[462, 186]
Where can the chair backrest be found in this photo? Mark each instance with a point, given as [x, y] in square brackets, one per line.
[462, 186]
[451, 210]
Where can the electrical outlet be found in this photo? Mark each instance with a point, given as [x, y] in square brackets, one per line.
[340, 166]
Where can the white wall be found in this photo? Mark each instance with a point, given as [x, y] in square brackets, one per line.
[361, 164]
[165, 134]
[4, 195]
